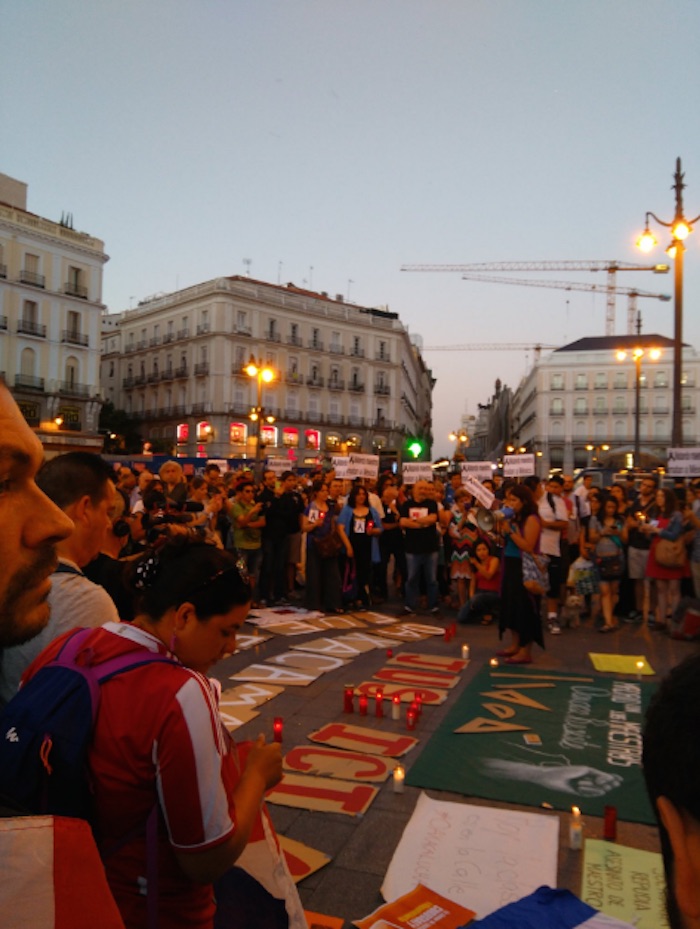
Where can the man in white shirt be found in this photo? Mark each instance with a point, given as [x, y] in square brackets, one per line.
[81, 484]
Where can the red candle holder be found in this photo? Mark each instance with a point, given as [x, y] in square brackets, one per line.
[390, 653]
[348, 699]
[396, 707]
[363, 704]
[418, 700]
[379, 702]
[453, 630]
[411, 717]
[448, 633]
[277, 728]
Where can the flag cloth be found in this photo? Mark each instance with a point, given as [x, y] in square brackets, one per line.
[548, 909]
[52, 876]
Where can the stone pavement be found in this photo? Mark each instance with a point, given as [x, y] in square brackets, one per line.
[362, 847]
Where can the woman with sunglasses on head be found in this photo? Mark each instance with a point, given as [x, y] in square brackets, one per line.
[162, 760]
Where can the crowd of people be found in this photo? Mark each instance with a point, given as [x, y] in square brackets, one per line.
[163, 570]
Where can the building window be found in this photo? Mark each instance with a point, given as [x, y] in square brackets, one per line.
[581, 382]
[660, 379]
[620, 381]
[601, 381]
[580, 406]
[237, 433]
[313, 439]
[557, 407]
[556, 382]
[182, 433]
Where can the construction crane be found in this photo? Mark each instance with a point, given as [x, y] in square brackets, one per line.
[611, 267]
[630, 292]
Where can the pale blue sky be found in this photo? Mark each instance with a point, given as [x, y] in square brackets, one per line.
[353, 137]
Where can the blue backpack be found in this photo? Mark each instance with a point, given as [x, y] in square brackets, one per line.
[46, 730]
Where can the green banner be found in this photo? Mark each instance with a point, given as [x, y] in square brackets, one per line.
[543, 738]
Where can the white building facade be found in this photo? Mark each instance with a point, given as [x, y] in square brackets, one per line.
[50, 322]
[577, 406]
[347, 377]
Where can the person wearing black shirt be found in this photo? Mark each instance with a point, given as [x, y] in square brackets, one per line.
[418, 520]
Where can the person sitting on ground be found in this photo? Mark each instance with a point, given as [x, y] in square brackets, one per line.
[159, 745]
[485, 584]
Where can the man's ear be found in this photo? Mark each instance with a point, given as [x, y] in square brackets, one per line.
[79, 509]
[684, 835]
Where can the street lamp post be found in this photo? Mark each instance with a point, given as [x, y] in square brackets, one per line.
[637, 354]
[264, 375]
[461, 438]
[680, 230]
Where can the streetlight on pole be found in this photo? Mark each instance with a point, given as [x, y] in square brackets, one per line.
[461, 438]
[680, 230]
[653, 354]
[264, 375]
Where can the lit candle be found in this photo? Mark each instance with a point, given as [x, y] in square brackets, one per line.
[576, 830]
[640, 668]
[448, 633]
[465, 652]
[379, 702]
[399, 776]
[363, 704]
[494, 662]
[411, 717]
[348, 698]
[418, 700]
[390, 653]
[277, 727]
[396, 707]
[453, 630]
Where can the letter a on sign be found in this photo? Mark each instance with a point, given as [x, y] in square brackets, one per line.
[482, 724]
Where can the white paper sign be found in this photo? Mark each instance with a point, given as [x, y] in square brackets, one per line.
[481, 470]
[478, 856]
[420, 471]
[363, 466]
[481, 494]
[340, 464]
[278, 465]
[683, 462]
[518, 465]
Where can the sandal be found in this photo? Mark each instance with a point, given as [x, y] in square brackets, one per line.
[605, 629]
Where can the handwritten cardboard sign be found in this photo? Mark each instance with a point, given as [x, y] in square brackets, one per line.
[338, 647]
[430, 662]
[625, 883]
[307, 661]
[480, 857]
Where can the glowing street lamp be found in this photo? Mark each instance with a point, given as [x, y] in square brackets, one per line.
[264, 375]
[461, 438]
[680, 230]
[637, 353]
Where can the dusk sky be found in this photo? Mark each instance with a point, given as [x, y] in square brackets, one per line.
[344, 140]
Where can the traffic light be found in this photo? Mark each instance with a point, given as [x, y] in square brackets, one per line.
[415, 447]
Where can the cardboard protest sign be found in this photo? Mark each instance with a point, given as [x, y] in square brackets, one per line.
[360, 739]
[337, 762]
[621, 664]
[430, 662]
[267, 673]
[338, 647]
[417, 677]
[431, 696]
[322, 793]
[481, 857]
[307, 661]
[301, 859]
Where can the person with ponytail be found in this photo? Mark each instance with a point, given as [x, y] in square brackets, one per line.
[160, 754]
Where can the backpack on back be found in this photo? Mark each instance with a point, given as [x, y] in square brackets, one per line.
[46, 730]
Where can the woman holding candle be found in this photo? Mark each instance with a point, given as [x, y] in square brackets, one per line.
[161, 758]
[359, 525]
[322, 570]
[520, 608]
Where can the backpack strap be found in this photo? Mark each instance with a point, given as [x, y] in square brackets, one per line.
[77, 656]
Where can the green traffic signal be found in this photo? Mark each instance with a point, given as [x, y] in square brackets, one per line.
[415, 448]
